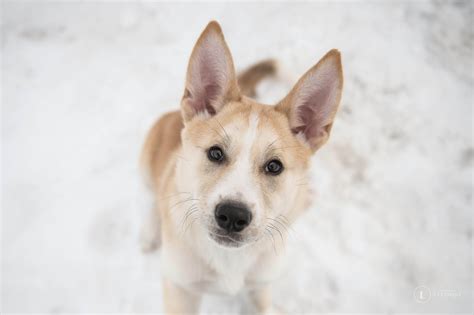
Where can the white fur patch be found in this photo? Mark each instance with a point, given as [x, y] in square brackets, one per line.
[239, 183]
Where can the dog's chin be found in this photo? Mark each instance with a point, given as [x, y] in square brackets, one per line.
[229, 240]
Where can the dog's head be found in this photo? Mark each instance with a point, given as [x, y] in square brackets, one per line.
[243, 162]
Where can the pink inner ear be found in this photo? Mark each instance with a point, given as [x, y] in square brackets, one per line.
[316, 102]
[208, 76]
[201, 102]
[313, 113]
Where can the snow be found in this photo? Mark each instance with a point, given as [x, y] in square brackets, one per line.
[83, 81]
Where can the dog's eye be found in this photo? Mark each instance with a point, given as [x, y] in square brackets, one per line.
[274, 167]
[215, 154]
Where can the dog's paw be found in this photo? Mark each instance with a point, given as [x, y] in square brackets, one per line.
[150, 239]
[149, 245]
[273, 311]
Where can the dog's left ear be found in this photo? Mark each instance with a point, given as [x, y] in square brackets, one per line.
[312, 103]
[210, 80]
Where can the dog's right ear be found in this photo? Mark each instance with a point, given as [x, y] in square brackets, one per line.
[210, 80]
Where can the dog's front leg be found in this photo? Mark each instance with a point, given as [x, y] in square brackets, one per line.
[262, 300]
[178, 300]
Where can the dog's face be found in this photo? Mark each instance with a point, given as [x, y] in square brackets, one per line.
[245, 167]
[245, 163]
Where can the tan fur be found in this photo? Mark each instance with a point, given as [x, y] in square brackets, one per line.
[183, 138]
[162, 139]
[249, 79]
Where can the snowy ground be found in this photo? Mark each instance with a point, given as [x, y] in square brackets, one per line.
[82, 82]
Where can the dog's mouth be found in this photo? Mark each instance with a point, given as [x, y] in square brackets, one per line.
[225, 239]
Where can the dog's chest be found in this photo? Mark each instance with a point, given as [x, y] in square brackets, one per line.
[228, 273]
[218, 283]
[217, 272]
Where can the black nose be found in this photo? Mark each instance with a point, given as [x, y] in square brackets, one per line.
[232, 216]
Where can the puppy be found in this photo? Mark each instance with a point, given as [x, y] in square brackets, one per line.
[226, 174]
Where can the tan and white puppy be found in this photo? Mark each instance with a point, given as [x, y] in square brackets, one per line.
[226, 173]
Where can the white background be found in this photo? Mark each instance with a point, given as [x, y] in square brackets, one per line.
[82, 83]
